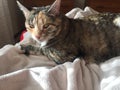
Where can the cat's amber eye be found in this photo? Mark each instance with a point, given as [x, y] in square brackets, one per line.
[46, 26]
[31, 26]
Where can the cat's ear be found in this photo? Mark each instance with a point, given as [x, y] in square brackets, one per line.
[24, 9]
[55, 8]
[35, 8]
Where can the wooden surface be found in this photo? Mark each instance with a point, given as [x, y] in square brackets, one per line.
[66, 5]
[104, 5]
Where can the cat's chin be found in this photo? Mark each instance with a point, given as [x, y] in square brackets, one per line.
[44, 43]
[40, 41]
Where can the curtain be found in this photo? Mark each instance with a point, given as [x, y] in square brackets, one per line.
[11, 21]
[80, 3]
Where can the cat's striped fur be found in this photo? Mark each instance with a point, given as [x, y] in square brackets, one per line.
[95, 38]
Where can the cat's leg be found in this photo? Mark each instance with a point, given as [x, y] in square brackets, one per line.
[25, 48]
[29, 46]
[31, 50]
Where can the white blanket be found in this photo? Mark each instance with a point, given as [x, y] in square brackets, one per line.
[20, 72]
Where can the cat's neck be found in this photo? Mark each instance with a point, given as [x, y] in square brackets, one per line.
[68, 30]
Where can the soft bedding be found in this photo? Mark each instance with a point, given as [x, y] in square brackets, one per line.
[21, 72]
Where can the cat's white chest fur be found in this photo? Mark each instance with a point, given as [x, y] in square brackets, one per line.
[117, 21]
[43, 43]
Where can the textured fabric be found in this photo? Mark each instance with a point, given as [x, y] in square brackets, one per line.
[111, 74]
[6, 32]
[20, 72]
[11, 21]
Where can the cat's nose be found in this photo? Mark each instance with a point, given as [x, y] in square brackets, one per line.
[37, 36]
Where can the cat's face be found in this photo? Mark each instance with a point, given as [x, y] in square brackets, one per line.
[43, 22]
[42, 25]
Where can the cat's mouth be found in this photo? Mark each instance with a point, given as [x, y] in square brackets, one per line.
[39, 39]
[40, 36]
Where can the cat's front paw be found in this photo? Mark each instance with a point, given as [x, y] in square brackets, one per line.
[28, 49]
[25, 49]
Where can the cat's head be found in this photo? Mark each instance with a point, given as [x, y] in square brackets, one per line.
[43, 22]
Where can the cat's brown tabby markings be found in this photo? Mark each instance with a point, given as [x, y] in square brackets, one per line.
[95, 38]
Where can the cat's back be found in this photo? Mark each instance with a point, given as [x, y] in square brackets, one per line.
[102, 23]
[107, 18]
[100, 36]
[101, 16]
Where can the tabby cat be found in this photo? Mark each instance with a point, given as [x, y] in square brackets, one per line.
[95, 38]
